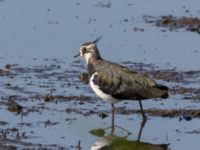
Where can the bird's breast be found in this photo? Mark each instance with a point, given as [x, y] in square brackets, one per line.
[96, 88]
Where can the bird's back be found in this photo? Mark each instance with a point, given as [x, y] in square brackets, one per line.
[123, 83]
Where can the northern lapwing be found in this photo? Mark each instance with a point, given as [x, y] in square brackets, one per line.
[114, 83]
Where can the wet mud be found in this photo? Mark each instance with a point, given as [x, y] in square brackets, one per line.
[174, 23]
[52, 77]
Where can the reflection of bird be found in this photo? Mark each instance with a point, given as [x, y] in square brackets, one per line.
[112, 142]
[113, 82]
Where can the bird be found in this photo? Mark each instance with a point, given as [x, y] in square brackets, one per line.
[114, 82]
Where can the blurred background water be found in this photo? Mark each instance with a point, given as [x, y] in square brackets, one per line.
[56, 29]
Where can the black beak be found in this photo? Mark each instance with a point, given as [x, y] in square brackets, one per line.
[77, 55]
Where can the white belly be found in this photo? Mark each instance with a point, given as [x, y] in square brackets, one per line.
[100, 93]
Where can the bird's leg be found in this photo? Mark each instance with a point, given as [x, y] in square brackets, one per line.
[144, 120]
[141, 129]
[113, 115]
[144, 117]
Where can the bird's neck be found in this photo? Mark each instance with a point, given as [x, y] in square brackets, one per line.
[92, 62]
[93, 58]
[91, 69]
[91, 65]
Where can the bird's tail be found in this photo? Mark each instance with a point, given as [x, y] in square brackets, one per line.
[160, 91]
[162, 87]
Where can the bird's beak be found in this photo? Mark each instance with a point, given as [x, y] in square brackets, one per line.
[77, 55]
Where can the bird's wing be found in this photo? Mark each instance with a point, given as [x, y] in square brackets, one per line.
[123, 83]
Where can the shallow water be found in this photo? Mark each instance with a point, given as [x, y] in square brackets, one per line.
[39, 40]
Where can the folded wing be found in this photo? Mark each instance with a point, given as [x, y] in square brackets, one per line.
[122, 83]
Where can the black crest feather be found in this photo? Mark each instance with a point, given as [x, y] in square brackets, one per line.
[97, 39]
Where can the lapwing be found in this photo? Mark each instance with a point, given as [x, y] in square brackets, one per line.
[113, 82]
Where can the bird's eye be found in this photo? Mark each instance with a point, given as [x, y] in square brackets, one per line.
[84, 49]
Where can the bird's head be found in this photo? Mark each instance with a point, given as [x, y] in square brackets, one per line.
[90, 51]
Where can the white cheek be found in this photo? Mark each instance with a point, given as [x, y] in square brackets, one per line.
[81, 53]
[87, 57]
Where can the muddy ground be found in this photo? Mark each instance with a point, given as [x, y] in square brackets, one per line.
[51, 76]
[173, 23]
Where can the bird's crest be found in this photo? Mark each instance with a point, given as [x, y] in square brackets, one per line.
[97, 39]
